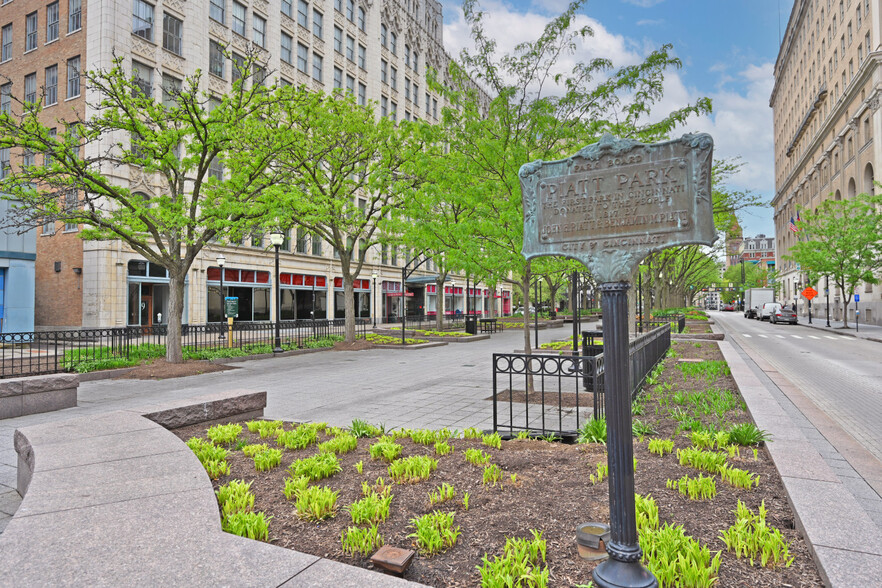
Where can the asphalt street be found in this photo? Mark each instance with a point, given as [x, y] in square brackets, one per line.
[842, 375]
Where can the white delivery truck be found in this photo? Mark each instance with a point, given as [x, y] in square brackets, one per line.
[754, 298]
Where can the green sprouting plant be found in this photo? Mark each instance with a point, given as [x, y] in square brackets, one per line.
[514, 479]
[342, 443]
[379, 488]
[235, 496]
[521, 564]
[465, 500]
[477, 456]
[265, 428]
[690, 424]
[472, 433]
[316, 503]
[733, 450]
[424, 436]
[680, 398]
[385, 449]
[747, 434]
[677, 559]
[224, 434]
[373, 508]
[739, 478]
[212, 457]
[443, 448]
[647, 513]
[755, 454]
[363, 541]
[441, 494]
[549, 438]
[299, 438]
[708, 461]
[359, 466]
[253, 525]
[361, 429]
[412, 469]
[494, 441]
[317, 467]
[751, 537]
[700, 488]
[254, 449]
[660, 446]
[524, 435]
[638, 408]
[707, 370]
[216, 469]
[721, 438]
[399, 434]
[702, 439]
[267, 460]
[602, 473]
[640, 428]
[434, 532]
[294, 485]
[492, 474]
[696, 344]
[253, 426]
[593, 431]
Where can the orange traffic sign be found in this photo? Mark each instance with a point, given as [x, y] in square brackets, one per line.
[809, 293]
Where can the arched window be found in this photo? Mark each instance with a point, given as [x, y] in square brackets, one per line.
[852, 190]
[869, 185]
[838, 196]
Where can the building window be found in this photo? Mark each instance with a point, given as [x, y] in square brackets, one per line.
[48, 226]
[407, 55]
[415, 62]
[71, 201]
[384, 254]
[317, 67]
[338, 40]
[350, 48]
[416, 94]
[303, 13]
[217, 10]
[406, 88]
[338, 78]
[316, 245]
[171, 89]
[302, 57]
[216, 59]
[393, 77]
[428, 104]
[362, 94]
[142, 19]
[74, 12]
[258, 75]
[6, 43]
[30, 88]
[318, 23]
[52, 22]
[239, 16]
[287, 8]
[362, 57]
[216, 169]
[384, 106]
[393, 43]
[172, 33]
[287, 54]
[73, 77]
[259, 25]
[302, 238]
[31, 32]
[384, 33]
[393, 113]
[384, 71]
[350, 84]
[237, 72]
[362, 20]
[338, 5]
[4, 162]
[350, 10]
[51, 88]
[6, 98]
[142, 77]
[434, 107]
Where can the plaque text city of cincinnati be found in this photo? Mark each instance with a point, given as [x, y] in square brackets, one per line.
[616, 201]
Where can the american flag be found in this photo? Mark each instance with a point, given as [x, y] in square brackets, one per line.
[792, 226]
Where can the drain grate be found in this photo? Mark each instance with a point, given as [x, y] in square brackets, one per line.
[468, 365]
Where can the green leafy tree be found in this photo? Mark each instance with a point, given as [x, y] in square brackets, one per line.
[534, 113]
[347, 174]
[179, 143]
[841, 240]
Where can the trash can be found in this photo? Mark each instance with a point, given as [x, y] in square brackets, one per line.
[590, 349]
[471, 325]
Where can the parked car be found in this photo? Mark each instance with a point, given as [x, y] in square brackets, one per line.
[728, 307]
[752, 313]
[783, 315]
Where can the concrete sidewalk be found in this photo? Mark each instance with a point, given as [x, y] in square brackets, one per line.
[862, 331]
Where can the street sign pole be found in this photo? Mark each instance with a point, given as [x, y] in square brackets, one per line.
[857, 313]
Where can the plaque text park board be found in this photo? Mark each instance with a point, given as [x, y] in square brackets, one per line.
[616, 201]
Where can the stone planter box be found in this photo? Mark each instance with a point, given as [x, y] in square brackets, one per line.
[23, 396]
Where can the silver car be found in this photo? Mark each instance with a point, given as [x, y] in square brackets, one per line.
[776, 313]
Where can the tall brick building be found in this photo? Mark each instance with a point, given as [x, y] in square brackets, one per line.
[828, 86]
[378, 51]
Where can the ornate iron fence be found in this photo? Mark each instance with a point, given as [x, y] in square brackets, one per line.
[48, 352]
[550, 394]
[677, 321]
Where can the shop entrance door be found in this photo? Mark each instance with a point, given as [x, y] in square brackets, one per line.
[146, 305]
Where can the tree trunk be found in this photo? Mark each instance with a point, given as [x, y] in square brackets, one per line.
[348, 299]
[845, 311]
[439, 308]
[525, 291]
[173, 350]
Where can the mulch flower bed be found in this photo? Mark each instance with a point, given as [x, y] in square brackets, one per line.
[551, 492]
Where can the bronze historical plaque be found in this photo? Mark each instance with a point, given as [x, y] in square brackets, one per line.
[617, 200]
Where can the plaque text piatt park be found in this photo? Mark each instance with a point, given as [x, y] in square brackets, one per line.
[618, 200]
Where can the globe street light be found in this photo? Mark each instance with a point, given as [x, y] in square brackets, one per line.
[221, 260]
[276, 239]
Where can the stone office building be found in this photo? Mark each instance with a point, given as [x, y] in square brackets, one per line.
[826, 117]
[378, 51]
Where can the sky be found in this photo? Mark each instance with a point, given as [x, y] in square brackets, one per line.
[728, 49]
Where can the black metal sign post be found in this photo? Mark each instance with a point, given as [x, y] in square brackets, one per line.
[609, 206]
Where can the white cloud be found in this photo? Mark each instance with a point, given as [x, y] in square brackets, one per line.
[644, 3]
[649, 22]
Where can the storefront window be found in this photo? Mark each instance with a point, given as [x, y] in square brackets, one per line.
[148, 294]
